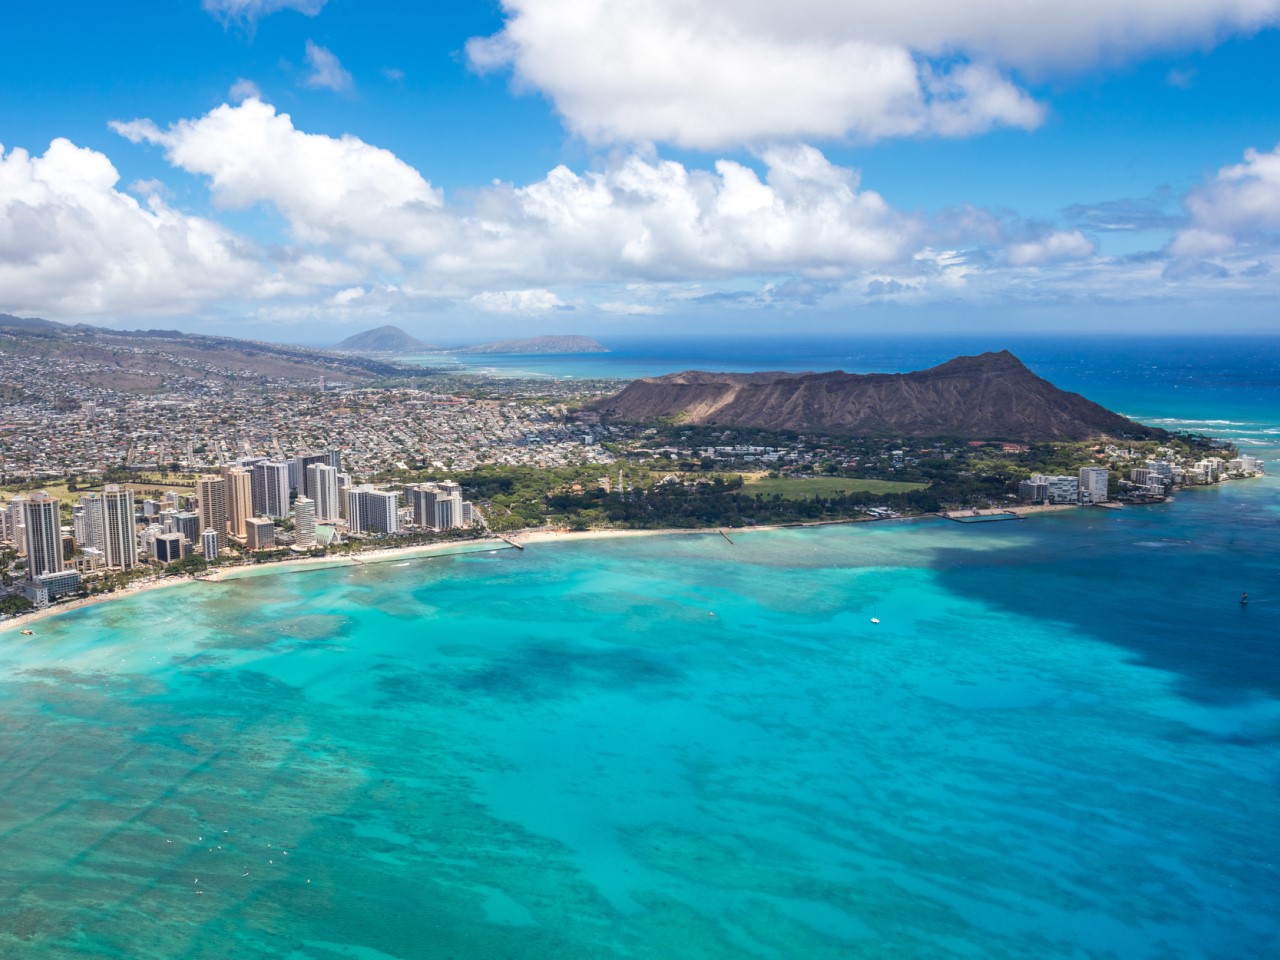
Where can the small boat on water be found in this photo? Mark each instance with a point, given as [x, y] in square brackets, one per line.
[27, 633]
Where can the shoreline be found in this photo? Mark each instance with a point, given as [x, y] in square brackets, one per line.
[383, 555]
[517, 540]
[248, 571]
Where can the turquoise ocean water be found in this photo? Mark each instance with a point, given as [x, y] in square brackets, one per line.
[1060, 741]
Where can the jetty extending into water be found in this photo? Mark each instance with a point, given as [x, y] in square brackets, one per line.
[977, 516]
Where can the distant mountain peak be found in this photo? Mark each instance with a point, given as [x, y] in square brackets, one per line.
[384, 339]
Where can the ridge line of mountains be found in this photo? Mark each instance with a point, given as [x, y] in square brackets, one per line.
[989, 396]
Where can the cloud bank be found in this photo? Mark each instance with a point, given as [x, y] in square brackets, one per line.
[725, 72]
[362, 232]
[1240, 206]
[71, 243]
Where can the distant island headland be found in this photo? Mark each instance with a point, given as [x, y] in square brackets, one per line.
[553, 344]
[391, 340]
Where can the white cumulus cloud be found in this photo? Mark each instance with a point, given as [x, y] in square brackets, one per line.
[331, 189]
[518, 301]
[644, 218]
[724, 72]
[326, 70]
[349, 296]
[1053, 246]
[72, 243]
[1240, 204]
[640, 217]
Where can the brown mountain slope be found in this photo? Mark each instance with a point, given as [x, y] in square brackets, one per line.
[145, 361]
[987, 397]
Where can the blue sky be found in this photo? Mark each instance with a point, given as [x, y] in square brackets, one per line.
[302, 169]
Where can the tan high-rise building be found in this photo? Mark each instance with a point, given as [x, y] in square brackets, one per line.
[43, 521]
[119, 529]
[261, 533]
[239, 500]
[211, 494]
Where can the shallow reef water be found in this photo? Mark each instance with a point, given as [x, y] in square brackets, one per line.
[1051, 745]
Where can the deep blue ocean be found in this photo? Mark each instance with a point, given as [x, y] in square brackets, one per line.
[1062, 739]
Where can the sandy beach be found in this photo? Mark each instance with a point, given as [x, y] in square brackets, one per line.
[142, 586]
[424, 551]
[240, 571]
[364, 558]
[1021, 510]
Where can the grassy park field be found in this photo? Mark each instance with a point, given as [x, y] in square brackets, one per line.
[799, 488]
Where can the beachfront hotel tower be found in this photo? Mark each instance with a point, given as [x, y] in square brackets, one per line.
[322, 487]
[169, 547]
[439, 506]
[270, 482]
[422, 497]
[239, 500]
[211, 495]
[373, 511]
[90, 523]
[1093, 484]
[261, 533]
[119, 527]
[209, 543]
[304, 522]
[43, 522]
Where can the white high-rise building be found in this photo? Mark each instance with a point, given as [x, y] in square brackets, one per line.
[17, 526]
[373, 511]
[89, 526]
[322, 482]
[1063, 489]
[43, 523]
[439, 505]
[304, 522]
[448, 513]
[119, 530]
[1093, 484]
[209, 541]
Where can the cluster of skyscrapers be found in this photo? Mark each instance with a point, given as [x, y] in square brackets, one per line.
[241, 503]
[1154, 480]
[1088, 486]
